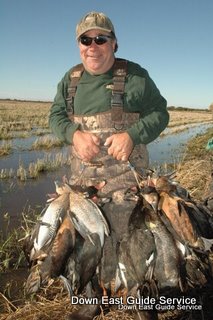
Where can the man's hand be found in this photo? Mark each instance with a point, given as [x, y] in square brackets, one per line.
[120, 146]
[86, 145]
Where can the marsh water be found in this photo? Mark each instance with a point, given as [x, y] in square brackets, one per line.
[18, 197]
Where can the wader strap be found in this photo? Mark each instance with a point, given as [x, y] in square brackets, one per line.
[119, 76]
[117, 104]
[74, 79]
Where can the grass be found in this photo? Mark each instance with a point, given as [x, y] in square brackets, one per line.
[17, 116]
[11, 240]
[7, 173]
[48, 163]
[11, 254]
[5, 148]
[46, 142]
[42, 165]
[179, 118]
[194, 172]
[57, 308]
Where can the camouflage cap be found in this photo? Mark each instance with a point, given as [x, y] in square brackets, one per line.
[94, 20]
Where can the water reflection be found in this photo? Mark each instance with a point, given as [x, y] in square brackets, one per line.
[23, 156]
[17, 197]
[170, 148]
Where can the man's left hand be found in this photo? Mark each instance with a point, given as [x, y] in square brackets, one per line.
[120, 146]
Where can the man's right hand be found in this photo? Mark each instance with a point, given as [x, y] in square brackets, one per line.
[86, 145]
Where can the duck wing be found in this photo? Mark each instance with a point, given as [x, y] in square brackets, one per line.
[50, 221]
[87, 217]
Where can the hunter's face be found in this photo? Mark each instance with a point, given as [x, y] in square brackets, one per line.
[97, 54]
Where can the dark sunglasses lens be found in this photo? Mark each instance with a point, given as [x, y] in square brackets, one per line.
[86, 41]
[99, 40]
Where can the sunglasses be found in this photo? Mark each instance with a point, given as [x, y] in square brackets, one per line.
[99, 40]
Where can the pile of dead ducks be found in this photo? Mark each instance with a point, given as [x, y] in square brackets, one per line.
[167, 250]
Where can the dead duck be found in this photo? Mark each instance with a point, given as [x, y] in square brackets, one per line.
[198, 271]
[193, 219]
[92, 228]
[82, 263]
[201, 217]
[51, 263]
[107, 269]
[45, 229]
[168, 273]
[85, 214]
[61, 248]
[136, 253]
[174, 210]
[131, 266]
[53, 239]
[87, 217]
[49, 223]
[141, 241]
[176, 217]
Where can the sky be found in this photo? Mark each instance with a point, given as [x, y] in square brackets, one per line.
[172, 40]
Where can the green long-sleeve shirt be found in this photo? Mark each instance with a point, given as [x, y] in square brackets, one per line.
[94, 95]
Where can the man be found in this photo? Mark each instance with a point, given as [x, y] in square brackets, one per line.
[108, 110]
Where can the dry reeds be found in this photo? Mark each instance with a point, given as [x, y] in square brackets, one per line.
[16, 116]
[195, 176]
[194, 172]
[43, 309]
[46, 164]
[5, 148]
[7, 173]
[54, 309]
[60, 307]
[11, 241]
[46, 142]
[179, 118]
[11, 255]
[51, 303]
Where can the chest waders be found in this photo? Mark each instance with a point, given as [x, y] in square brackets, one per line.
[103, 167]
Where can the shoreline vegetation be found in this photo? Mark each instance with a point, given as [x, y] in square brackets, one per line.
[193, 173]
